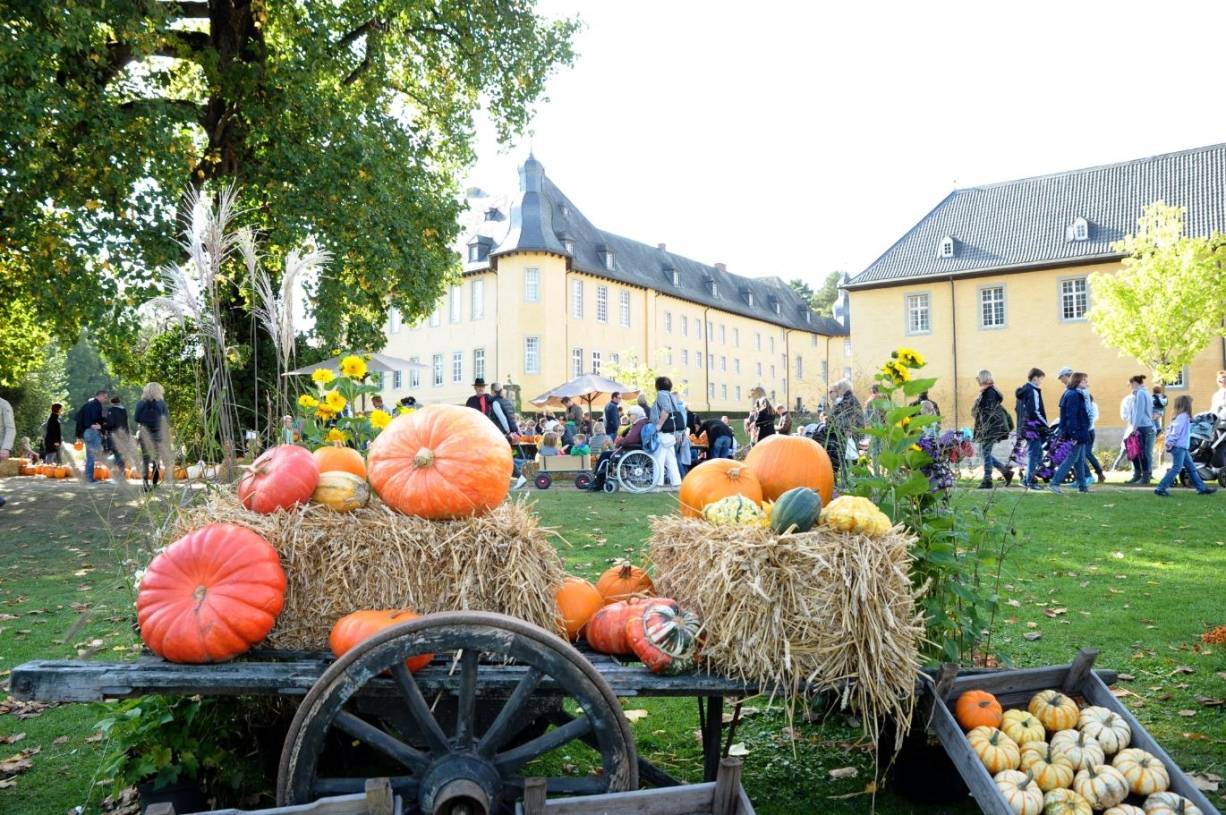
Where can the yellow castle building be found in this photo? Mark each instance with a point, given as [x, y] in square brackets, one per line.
[546, 296]
[997, 277]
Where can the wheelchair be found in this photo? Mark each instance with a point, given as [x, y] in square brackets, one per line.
[628, 469]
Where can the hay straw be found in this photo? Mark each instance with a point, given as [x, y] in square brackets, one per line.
[374, 557]
[800, 614]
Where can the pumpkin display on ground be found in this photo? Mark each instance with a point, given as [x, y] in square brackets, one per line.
[1082, 750]
[857, 515]
[797, 510]
[1103, 786]
[1022, 726]
[577, 602]
[977, 708]
[1065, 802]
[211, 595]
[1051, 770]
[996, 750]
[735, 510]
[1054, 710]
[663, 636]
[1144, 771]
[1107, 727]
[1170, 803]
[713, 480]
[441, 462]
[783, 462]
[337, 458]
[1020, 792]
[361, 625]
[622, 581]
[281, 478]
[341, 491]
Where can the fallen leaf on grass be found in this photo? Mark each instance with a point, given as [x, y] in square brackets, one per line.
[739, 749]
[1014, 603]
[844, 772]
[1125, 677]
[4, 618]
[635, 715]
[1183, 669]
[1205, 782]
[12, 738]
[60, 740]
[1187, 713]
[19, 762]
[1209, 701]
[1032, 635]
[94, 739]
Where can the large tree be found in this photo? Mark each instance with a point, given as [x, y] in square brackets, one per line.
[822, 299]
[349, 121]
[1165, 304]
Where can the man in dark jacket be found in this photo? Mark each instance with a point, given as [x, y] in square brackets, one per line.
[1074, 425]
[991, 426]
[1032, 423]
[480, 400]
[91, 422]
[612, 414]
[719, 438]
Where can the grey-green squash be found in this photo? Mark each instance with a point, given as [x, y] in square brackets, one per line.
[796, 510]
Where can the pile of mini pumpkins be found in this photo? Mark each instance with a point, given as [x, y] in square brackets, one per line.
[786, 483]
[1055, 758]
[216, 592]
[45, 470]
[620, 616]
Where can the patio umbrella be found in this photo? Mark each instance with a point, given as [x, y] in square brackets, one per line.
[377, 362]
[589, 387]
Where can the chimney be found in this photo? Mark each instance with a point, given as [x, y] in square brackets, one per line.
[660, 246]
[723, 267]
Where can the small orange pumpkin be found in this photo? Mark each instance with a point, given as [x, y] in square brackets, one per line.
[783, 462]
[353, 628]
[577, 601]
[716, 479]
[345, 459]
[622, 581]
[978, 708]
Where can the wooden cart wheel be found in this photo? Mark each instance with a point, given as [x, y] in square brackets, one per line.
[463, 772]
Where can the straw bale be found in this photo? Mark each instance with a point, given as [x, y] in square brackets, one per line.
[374, 557]
[821, 611]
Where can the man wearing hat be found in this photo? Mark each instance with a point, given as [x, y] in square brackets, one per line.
[479, 400]
[1065, 374]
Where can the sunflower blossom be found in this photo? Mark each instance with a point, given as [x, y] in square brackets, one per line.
[353, 366]
[379, 419]
[335, 435]
[308, 401]
[323, 376]
[909, 357]
[325, 413]
[335, 402]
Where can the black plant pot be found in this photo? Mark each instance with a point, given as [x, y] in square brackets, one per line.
[186, 796]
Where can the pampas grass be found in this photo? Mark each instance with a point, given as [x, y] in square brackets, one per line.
[374, 557]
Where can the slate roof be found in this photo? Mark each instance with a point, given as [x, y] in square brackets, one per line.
[544, 219]
[1020, 224]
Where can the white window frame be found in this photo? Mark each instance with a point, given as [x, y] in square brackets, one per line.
[477, 299]
[615, 358]
[685, 326]
[846, 345]
[570, 247]
[759, 367]
[984, 304]
[532, 285]
[723, 391]
[414, 373]
[602, 304]
[736, 365]
[576, 361]
[710, 390]
[1182, 384]
[922, 305]
[676, 279]
[757, 340]
[1085, 284]
[946, 249]
[596, 362]
[698, 359]
[698, 328]
[457, 367]
[436, 370]
[624, 308]
[736, 337]
[455, 305]
[474, 253]
[576, 299]
[800, 367]
[609, 260]
[479, 363]
[723, 363]
[825, 371]
[772, 373]
[668, 322]
[532, 355]
[396, 380]
[723, 334]
[772, 343]
[738, 393]
[685, 357]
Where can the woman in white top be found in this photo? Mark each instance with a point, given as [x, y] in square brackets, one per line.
[665, 413]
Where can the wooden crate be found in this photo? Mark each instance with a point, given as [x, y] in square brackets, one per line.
[724, 796]
[377, 800]
[1014, 689]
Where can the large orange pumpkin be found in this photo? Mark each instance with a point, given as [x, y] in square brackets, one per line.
[606, 631]
[623, 580]
[284, 476]
[783, 462]
[211, 595]
[362, 625]
[715, 479]
[577, 601]
[345, 459]
[443, 461]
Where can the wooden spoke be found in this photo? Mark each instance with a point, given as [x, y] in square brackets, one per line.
[501, 728]
[404, 785]
[569, 785]
[511, 759]
[385, 743]
[436, 740]
[466, 701]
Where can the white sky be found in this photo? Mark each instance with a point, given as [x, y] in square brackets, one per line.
[796, 138]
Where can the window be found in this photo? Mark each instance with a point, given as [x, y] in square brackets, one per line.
[532, 285]
[710, 330]
[624, 308]
[436, 364]
[736, 366]
[685, 357]
[714, 293]
[772, 339]
[738, 393]
[395, 380]
[608, 260]
[749, 297]
[698, 328]
[457, 366]
[757, 341]
[479, 362]
[615, 358]
[992, 307]
[847, 372]
[668, 355]
[1079, 231]
[393, 320]
[800, 367]
[947, 247]
[759, 366]
[846, 346]
[570, 247]
[474, 253]
[1179, 382]
[711, 361]
[1074, 298]
[576, 299]
[478, 299]
[710, 390]
[919, 318]
[772, 373]
[457, 306]
[723, 333]
[414, 373]
[576, 362]
[532, 355]
[668, 321]
[698, 359]
[813, 340]
[825, 371]
[723, 391]
[723, 363]
[676, 278]
[778, 307]
[685, 326]
[596, 362]
[602, 304]
[736, 337]
[436, 316]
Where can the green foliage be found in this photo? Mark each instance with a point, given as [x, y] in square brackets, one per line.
[44, 385]
[641, 375]
[22, 337]
[1165, 304]
[349, 121]
[822, 299]
[321, 419]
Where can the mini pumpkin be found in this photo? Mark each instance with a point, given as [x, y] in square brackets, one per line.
[1020, 792]
[735, 510]
[714, 480]
[1054, 710]
[1065, 802]
[1103, 786]
[1146, 774]
[996, 750]
[1022, 726]
[857, 515]
[342, 459]
[663, 636]
[1082, 750]
[1051, 770]
[281, 478]
[1124, 809]
[353, 628]
[622, 581]
[1106, 726]
[978, 708]
[577, 601]
[341, 491]
[1170, 803]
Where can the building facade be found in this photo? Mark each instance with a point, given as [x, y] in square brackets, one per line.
[546, 296]
[998, 277]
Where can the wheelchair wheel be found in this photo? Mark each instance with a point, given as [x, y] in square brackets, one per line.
[583, 481]
[543, 481]
[610, 487]
[636, 471]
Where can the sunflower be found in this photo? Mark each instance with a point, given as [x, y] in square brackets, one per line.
[335, 402]
[353, 366]
[307, 401]
[325, 413]
[335, 435]
[323, 376]
[909, 357]
[379, 419]
[895, 372]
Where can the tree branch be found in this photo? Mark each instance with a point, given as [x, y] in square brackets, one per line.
[361, 31]
[152, 103]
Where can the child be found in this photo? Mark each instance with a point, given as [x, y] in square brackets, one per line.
[287, 430]
[580, 446]
[600, 439]
[1177, 435]
[27, 450]
[549, 445]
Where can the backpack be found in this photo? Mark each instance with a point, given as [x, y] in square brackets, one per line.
[649, 437]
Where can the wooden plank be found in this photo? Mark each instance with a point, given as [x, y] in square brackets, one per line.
[976, 776]
[534, 797]
[727, 785]
[1079, 669]
[354, 804]
[1097, 693]
[744, 805]
[379, 797]
[687, 800]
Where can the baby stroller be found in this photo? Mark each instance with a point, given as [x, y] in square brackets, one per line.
[1207, 447]
[629, 469]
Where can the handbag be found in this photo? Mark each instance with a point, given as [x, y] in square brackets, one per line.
[649, 437]
[1132, 445]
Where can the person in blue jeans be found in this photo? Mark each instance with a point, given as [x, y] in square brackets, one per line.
[1032, 417]
[91, 420]
[1142, 420]
[1177, 436]
[719, 437]
[1075, 425]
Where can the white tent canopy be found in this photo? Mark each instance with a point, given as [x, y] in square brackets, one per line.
[590, 388]
[377, 362]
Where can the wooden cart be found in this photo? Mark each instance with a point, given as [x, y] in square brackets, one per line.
[462, 728]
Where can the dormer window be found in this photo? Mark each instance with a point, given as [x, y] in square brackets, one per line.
[712, 287]
[608, 259]
[474, 253]
[947, 247]
[479, 248]
[676, 279]
[749, 297]
[570, 247]
[1079, 230]
[775, 305]
[493, 214]
[808, 315]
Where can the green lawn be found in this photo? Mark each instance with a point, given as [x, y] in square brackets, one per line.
[1137, 577]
